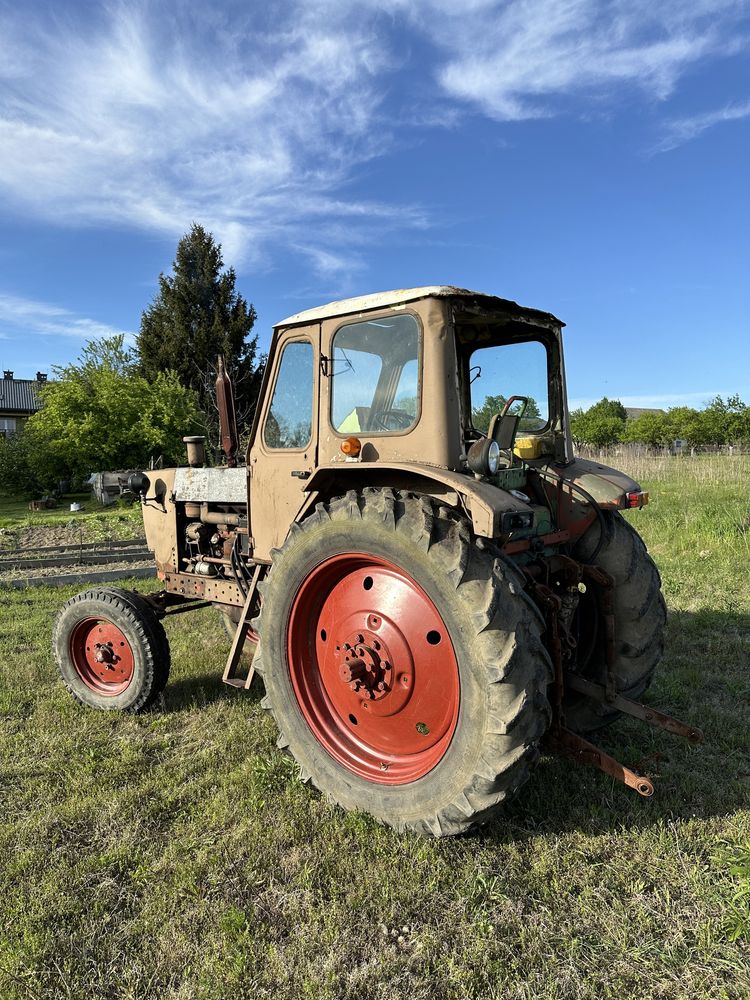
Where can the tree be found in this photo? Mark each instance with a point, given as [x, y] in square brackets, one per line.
[100, 413]
[20, 471]
[197, 315]
[728, 421]
[602, 425]
[653, 429]
[481, 415]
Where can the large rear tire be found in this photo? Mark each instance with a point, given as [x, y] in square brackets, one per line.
[640, 618]
[402, 662]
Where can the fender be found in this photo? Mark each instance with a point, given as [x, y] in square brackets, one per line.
[484, 502]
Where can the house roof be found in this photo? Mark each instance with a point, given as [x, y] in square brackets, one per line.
[633, 412]
[400, 296]
[19, 395]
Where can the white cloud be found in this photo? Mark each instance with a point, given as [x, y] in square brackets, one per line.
[683, 130]
[517, 60]
[155, 125]
[26, 316]
[254, 123]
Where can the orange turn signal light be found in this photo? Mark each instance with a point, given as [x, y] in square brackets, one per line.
[351, 447]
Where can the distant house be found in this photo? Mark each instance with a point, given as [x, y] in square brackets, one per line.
[633, 412]
[19, 399]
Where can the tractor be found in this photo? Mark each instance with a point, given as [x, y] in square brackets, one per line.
[434, 587]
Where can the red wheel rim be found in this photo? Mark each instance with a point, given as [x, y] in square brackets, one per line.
[373, 668]
[101, 656]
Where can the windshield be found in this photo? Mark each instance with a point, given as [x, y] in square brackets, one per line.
[499, 372]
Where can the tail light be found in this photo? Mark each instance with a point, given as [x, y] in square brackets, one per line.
[636, 498]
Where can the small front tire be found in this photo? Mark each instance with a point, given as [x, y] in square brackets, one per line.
[111, 650]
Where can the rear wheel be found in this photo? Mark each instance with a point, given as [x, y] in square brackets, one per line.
[111, 650]
[640, 616]
[402, 662]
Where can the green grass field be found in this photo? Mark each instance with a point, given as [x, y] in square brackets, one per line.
[177, 855]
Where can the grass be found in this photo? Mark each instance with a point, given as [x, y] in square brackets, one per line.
[177, 855]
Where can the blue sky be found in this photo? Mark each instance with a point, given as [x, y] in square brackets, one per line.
[591, 159]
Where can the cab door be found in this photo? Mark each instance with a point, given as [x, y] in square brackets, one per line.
[284, 451]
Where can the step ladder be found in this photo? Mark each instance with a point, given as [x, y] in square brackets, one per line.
[232, 673]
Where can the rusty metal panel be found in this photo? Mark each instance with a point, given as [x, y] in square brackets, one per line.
[211, 485]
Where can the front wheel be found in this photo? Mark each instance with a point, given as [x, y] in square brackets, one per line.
[111, 650]
[402, 662]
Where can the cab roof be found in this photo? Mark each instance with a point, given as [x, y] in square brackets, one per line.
[477, 301]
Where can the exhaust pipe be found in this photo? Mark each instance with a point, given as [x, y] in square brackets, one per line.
[227, 414]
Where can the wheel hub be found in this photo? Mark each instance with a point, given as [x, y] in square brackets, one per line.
[373, 668]
[366, 666]
[102, 656]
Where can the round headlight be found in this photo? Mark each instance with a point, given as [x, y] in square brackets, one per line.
[493, 457]
[483, 457]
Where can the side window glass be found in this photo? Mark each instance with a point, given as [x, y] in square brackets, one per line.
[289, 420]
[375, 377]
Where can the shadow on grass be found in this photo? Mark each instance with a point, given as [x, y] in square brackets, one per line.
[703, 680]
[191, 692]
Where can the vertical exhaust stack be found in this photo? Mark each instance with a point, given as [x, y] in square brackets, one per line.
[227, 414]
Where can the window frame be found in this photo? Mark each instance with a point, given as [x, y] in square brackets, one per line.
[420, 371]
[300, 450]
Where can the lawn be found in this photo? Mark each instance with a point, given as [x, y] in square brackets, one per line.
[177, 854]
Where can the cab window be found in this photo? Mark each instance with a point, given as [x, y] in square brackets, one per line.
[500, 371]
[375, 376]
[289, 420]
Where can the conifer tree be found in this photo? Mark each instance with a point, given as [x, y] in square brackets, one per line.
[197, 315]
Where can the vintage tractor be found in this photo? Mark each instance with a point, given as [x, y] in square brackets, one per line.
[436, 584]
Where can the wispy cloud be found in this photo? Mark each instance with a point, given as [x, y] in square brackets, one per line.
[20, 316]
[156, 121]
[255, 123]
[683, 130]
[522, 60]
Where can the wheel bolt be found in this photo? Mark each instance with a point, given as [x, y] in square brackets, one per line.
[404, 680]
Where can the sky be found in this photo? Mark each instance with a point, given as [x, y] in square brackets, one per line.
[591, 159]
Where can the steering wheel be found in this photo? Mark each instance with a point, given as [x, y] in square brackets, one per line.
[391, 420]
